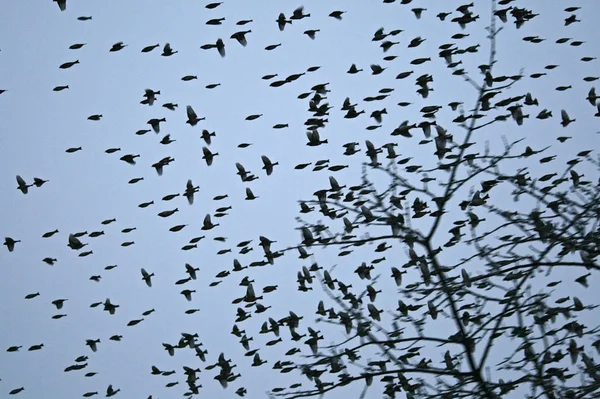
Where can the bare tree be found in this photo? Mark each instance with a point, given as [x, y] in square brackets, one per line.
[499, 243]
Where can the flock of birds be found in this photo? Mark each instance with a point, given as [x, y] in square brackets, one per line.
[305, 338]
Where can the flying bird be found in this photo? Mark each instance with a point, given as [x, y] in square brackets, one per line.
[192, 116]
[147, 277]
[281, 21]
[10, 243]
[241, 37]
[22, 185]
[268, 165]
[168, 51]
[190, 189]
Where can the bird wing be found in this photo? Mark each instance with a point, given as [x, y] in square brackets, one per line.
[250, 292]
[21, 181]
[221, 47]
[333, 182]
[190, 113]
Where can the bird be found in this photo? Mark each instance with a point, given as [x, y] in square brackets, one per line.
[241, 37]
[188, 294]
[129, 158]
[565, 120]
[118, 46]
[311, 33]
[92, 343]
[59, 303]
[353, 69]
[190, 189]
[282, 21]
[150, 96]
[250, 195]
[299, 13]
[314, 138]
[167, 50]
[192, 116]
[215, 21]
[220, 47]
[207, 224]
[39, 182]
[68, 65]
[268, 165]
[206, 136]
[111, 392]
[10, 243]
[110, 307]
[155, 124]
[208, 155]
[148, 49]
[147, 277]
[337, 14]
[22, 185]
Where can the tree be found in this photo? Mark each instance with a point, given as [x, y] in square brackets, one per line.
[492, 307]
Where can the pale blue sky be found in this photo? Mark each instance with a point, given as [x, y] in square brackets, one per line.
[90, 186]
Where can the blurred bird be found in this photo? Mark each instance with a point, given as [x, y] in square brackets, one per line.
[207, 224]
[208, 155]
[206, 135]
[155, 124]
[74, 242]
[110, 307]
[10, 243]
[311, 33]
[565, 120]
[250, 195]
[298, 13]
[148, 49]
[192, 116]
[241, 37]
[39, 182]
[190, 189]
[150, 96]
[268, 165]
[111, 392]
[337, 14]
[22, 185]
[147, 277]
[219, 45]
[168, 51]
[281, 21]
[117, 46]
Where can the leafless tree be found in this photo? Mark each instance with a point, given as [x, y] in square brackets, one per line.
[494, 243]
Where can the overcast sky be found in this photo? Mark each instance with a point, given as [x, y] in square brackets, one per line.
[89, 186]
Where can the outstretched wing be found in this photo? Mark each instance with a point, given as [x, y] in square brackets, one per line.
[190, 113]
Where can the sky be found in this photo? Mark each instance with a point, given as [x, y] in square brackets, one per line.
[87, 187]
